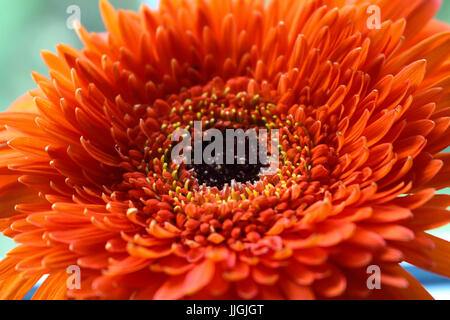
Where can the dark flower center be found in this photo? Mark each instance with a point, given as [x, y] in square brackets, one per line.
[221, 172]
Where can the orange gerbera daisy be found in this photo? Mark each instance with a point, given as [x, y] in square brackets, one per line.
[86, 176]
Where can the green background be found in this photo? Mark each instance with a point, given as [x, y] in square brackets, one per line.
[27, 26]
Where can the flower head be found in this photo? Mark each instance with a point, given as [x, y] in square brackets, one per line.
[363, 114]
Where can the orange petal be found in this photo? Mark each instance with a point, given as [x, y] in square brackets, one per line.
[24, 103]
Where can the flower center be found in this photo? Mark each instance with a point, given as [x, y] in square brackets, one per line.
[220, 201]
[222, 109]
[221, 171]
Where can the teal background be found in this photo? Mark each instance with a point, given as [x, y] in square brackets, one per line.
[27, 26]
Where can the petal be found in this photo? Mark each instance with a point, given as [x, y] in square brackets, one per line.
[24, 103]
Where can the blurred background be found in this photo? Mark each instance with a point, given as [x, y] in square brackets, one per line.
[26, 27]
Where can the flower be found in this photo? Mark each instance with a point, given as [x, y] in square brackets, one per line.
[363, 114]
